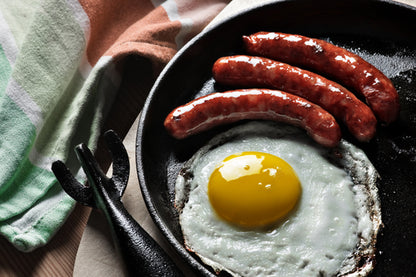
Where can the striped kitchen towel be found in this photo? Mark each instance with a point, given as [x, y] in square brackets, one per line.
[60, 69]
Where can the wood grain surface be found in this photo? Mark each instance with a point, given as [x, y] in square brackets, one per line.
[54, 259]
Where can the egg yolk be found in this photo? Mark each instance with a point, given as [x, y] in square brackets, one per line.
[253, 189]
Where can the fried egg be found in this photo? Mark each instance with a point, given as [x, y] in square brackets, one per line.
[263, 199]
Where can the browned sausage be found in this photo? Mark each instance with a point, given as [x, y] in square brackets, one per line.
[220, 108]
[249, 71]
[335, 62]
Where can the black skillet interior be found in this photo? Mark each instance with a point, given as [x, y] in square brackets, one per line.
[382, 31]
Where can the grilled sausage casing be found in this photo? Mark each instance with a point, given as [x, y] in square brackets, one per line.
[218, 108]
[250, 71]
[336, 62]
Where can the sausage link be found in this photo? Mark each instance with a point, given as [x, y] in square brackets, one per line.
[335, 62]
[249, 71]
[218, 108]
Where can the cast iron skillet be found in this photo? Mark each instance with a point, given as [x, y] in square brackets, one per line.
[383, 31]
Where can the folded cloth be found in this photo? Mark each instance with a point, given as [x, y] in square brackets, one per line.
[61, 64]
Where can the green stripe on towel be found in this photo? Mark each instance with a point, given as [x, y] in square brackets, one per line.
[47, 107]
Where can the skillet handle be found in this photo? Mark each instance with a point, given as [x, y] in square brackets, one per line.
[141, 254]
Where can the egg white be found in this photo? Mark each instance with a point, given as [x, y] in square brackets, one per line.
[332, 230]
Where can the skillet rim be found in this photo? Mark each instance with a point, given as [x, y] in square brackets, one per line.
[143, 121]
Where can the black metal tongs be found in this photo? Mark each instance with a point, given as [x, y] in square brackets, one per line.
[141, 254]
